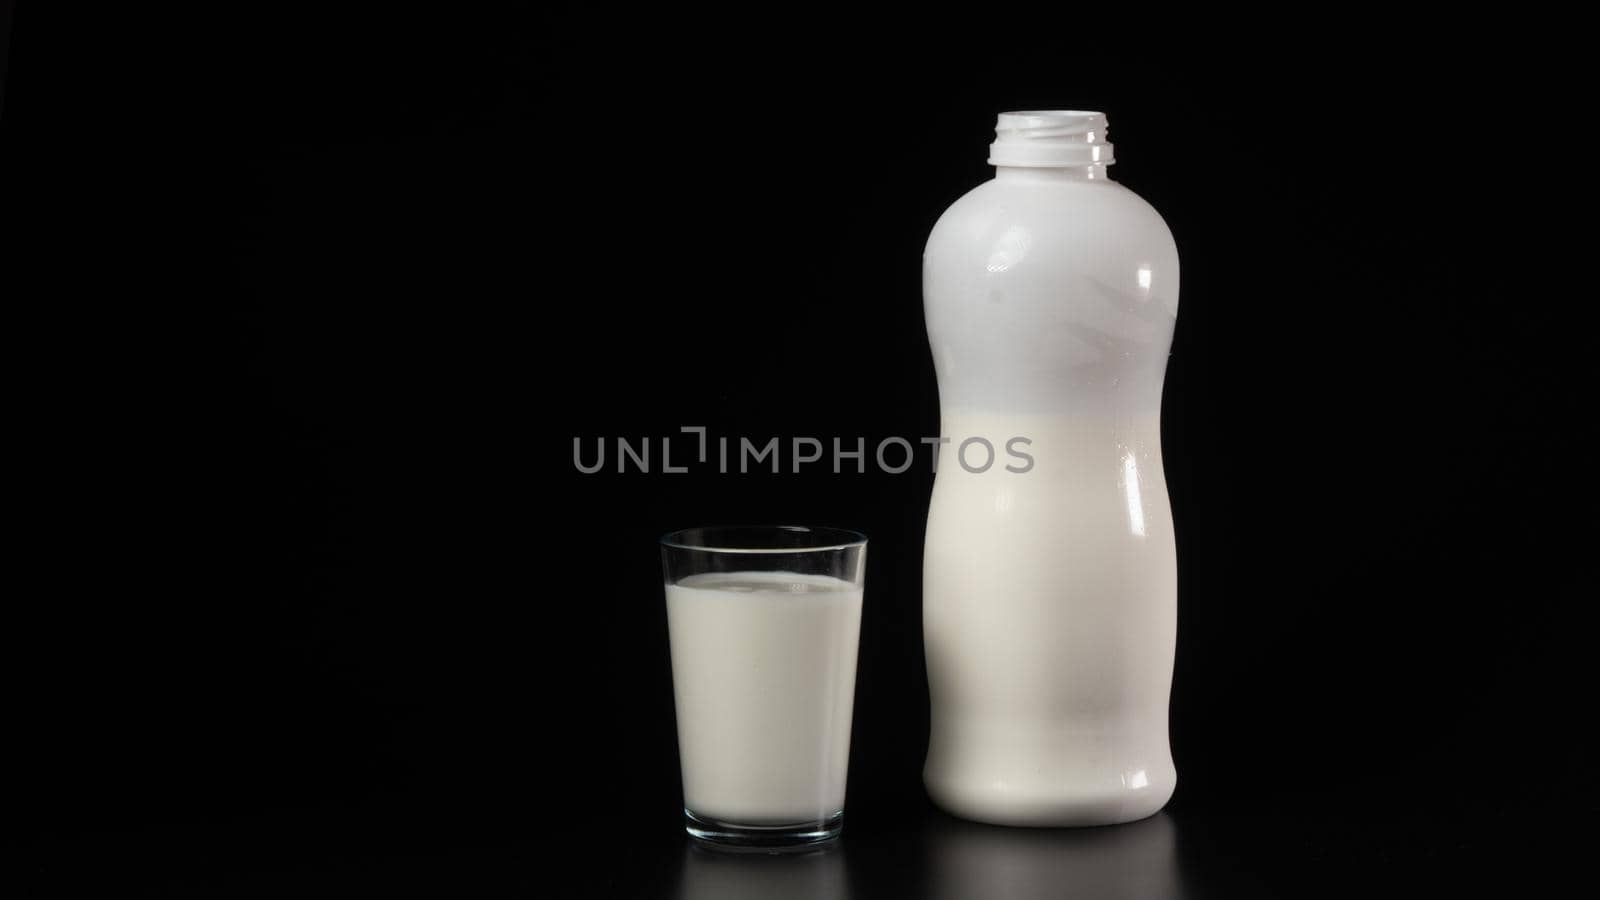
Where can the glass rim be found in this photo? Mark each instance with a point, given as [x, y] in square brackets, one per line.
[722, 539]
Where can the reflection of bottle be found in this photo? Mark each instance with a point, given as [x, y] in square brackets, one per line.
[1050, 588]
[721, 875]
[970, 860]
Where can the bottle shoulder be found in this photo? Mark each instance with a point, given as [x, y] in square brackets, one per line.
[1053, 256]
[1069, 212]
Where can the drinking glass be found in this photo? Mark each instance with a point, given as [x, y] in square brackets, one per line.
[764, 624]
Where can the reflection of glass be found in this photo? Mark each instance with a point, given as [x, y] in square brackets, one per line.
[1134, 860]
[713, 875]
[764, 626]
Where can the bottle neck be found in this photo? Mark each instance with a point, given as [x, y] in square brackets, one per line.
[1051, 173]
[1050, 145]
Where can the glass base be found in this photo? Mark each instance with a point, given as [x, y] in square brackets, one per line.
[762, 838]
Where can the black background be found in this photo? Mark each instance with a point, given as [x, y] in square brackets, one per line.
[308, 309]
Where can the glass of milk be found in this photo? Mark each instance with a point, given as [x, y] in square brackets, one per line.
[764, 624]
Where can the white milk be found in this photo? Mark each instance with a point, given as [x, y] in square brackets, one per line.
[1050, 625]
[764, 670]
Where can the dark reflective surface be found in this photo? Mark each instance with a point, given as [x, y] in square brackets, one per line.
[944, 858]
[1306, 850]
[719, 875]
[1139, 859]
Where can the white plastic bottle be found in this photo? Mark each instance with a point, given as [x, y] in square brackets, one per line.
[1050, 593]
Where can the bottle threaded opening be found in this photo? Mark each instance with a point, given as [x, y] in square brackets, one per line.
[1050, 138]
